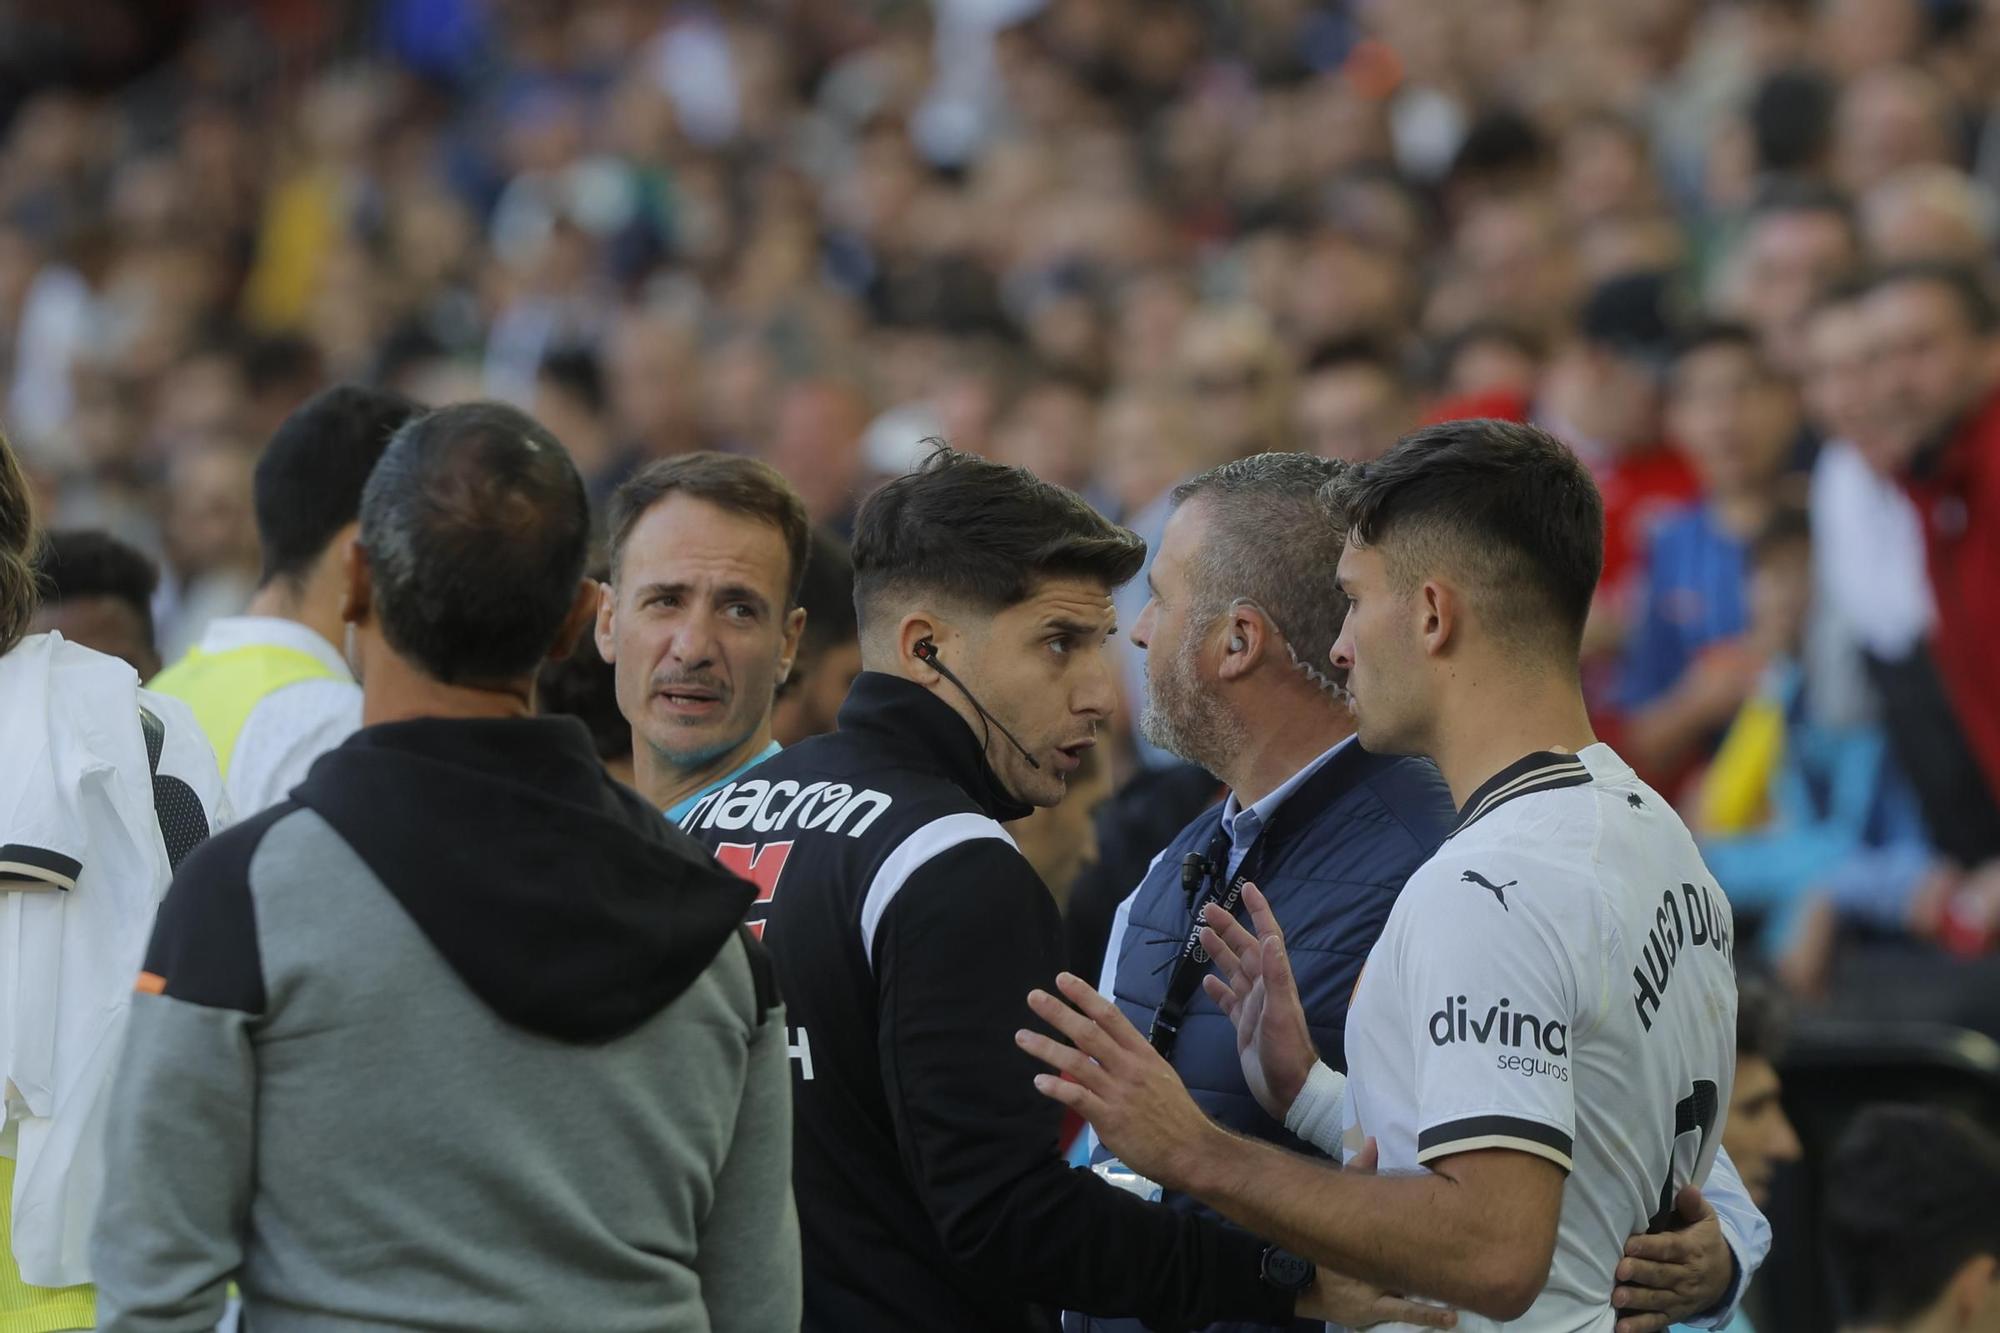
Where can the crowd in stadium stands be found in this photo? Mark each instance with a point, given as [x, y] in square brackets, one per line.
[1737, 255]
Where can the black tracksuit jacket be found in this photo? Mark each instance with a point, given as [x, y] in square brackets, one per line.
[907, 930]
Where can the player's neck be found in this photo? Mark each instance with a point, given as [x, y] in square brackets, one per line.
[1272, 758]
[1489, 724]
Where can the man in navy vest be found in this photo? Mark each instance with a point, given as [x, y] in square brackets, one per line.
[1238, 631]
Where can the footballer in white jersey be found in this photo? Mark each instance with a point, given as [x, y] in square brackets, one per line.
[1557, 979]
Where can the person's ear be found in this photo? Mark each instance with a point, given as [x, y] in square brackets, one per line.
[607, 624]
[357, 592]
[1437, 607]
[788, 646]
[582, 613]
[916, 628]
[1246, 635]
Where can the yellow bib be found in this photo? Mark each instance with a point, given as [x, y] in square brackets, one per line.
[223, 687]
[26, 1309]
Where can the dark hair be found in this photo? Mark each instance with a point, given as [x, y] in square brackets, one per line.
[1762, 1018]
[1356, 352]
[1711, 334]
[1503, 504]
[85, 563]
[18, 594]
[309, 479]
[476, 529]
[1788, 526]
[1272, 542]
[1911, 1192]
[982, 533]
[1974, 297]
[575, 371]
[730, 482]
[585, 686]
[827, 594]
[1791, 119]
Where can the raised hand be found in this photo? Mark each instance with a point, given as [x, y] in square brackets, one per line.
[1253, 984]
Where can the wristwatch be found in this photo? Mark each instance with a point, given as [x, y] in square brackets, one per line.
[1287, 1271]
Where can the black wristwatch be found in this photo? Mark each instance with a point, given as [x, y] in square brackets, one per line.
[1287, 1271]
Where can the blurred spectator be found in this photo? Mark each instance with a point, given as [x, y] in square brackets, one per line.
[584, 686]
[1935, 380]
[569, 400]
[1914, 1245]
[1804, 824]
[1930, 212]
[1686, 670]
[1798, 240]
[210, 539]
[98, 592]
[829, 655]
[272, 687]
[816, 443]
[1353, 403]
[1490, 360]
[1891, 118]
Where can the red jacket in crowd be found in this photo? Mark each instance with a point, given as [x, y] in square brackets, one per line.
[1957, 494]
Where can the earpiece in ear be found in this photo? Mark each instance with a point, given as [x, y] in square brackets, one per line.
[1236, 644]
[923, 650]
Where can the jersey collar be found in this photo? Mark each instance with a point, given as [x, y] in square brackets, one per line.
[925, 731]
[1542, 771]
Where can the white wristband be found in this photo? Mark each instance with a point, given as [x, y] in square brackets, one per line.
[1317, 1112]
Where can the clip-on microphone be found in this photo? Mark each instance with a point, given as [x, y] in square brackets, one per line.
[926, 652]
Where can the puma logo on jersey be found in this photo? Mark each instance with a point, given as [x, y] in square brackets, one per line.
[1632, 799]
[1497, 890]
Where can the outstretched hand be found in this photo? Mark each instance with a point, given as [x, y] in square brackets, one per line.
[1254, 985]
[1115, 1080]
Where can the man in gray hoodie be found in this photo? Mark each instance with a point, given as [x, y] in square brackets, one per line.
[463, 1035]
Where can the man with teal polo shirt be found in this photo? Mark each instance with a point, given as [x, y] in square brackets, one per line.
[701, 618]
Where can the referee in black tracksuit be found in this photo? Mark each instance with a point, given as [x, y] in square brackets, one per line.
[907, 930]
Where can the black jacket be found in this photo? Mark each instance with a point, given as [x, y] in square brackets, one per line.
[907, 931]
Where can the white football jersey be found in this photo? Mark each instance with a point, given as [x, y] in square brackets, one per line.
[1558, 979]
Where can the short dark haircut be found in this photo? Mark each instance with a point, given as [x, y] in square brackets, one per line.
[476, 529]
[78, 563]
[310, 476]
[1270, 541]
[1503, 504]
[575, 371]
[983, 534]
[1974, 297]
[1911, 1192]
[585, 686]
[730, 482]
[1762, 1019]
[827, 594]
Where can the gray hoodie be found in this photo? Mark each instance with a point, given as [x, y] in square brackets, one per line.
[463, 1036]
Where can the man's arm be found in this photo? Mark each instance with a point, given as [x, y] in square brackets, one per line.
[961, 940]
[748, 1255]
[1477, 1229]
[181, 1138]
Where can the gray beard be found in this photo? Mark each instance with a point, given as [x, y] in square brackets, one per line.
[1183, 721]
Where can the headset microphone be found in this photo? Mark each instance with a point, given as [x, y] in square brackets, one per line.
[926, 652]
